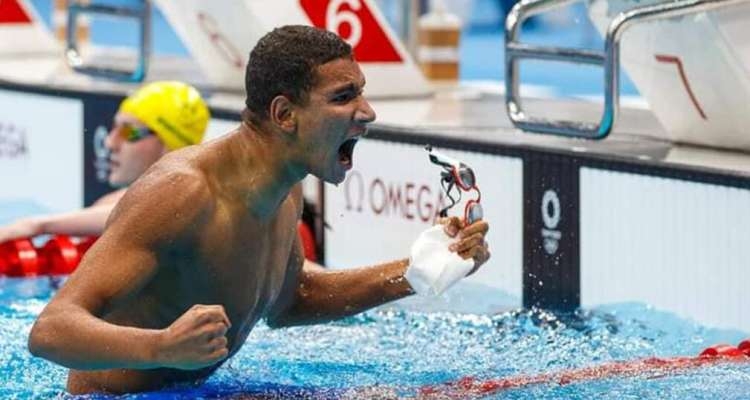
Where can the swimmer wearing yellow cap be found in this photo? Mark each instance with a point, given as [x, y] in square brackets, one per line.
[204, 245]
[156, 118]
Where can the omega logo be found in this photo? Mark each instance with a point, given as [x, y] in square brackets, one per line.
[551, 218]
[101, 154]
[384, 198]
[13, 141]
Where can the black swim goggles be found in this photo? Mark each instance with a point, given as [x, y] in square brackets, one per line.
[455, 179]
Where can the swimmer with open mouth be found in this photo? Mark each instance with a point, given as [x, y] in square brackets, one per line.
[204, 245]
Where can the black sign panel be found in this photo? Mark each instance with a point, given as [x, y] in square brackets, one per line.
[98, 112]
[551, 260]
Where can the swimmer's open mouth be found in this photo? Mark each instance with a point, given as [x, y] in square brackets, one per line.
[346, 152]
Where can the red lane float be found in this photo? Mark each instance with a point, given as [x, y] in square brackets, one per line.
[19, 258]
[724, 350]
[654, 367]
[58, 256]
[85, 243]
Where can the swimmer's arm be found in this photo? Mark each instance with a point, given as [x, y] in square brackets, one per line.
[86, 222]
[324, 295]
[110, 198]
[89, 221]
[69, 331]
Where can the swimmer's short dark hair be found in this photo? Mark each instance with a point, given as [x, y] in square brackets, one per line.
[284, 62]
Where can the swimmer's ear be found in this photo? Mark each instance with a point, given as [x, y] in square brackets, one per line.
[282, 113]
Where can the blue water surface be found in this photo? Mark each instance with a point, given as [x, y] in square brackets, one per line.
[391, 352]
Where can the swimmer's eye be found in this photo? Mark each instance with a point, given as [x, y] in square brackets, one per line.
[132, 133]
[343, 97]
[347, 94]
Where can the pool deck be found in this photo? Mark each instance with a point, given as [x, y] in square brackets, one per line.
[470, 110]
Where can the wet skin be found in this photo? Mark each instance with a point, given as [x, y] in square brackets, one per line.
[222, 255]
[204, 245]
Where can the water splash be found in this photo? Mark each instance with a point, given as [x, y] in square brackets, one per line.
[392, 352]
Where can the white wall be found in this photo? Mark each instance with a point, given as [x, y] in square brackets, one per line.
[48, 168]
[679, 246]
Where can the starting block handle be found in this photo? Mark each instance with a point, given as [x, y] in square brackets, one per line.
[609, 59]
[142, 15]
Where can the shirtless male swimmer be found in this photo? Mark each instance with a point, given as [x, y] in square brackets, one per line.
[205, 244]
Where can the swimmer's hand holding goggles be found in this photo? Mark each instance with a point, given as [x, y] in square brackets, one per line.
[457, 178]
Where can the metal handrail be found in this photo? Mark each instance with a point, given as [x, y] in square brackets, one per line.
[609, 59]
[142, 15]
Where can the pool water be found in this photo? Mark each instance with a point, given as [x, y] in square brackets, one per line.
[393, 351]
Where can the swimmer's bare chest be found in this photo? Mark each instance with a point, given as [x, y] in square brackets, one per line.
[237, 261]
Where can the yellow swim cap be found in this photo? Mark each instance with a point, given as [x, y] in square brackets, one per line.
[173, 110]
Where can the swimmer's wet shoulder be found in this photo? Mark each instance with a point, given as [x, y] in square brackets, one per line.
[205, 243]
[175, 241]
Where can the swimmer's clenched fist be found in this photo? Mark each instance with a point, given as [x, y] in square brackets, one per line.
[195, 340]
[217, 224]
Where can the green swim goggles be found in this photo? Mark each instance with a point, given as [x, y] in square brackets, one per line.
[131, 133]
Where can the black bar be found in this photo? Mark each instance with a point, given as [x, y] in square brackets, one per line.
[551, 237]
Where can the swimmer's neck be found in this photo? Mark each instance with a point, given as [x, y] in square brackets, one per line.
[267, 169]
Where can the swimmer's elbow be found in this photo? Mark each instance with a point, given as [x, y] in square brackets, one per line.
[41, 338]
[46, 339]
